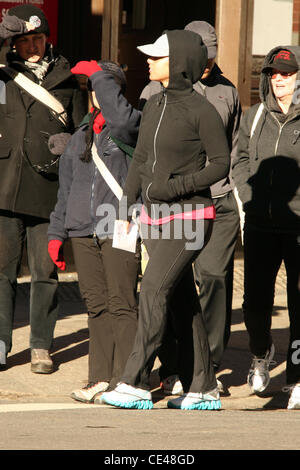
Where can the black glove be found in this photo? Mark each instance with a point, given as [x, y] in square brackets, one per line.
[161, 188]
[11, 26]
[58, 142]
[170, 189]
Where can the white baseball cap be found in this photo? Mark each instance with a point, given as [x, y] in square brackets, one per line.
[160, 48]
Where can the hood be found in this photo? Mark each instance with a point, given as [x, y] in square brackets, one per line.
[264, 85]
[188, 59]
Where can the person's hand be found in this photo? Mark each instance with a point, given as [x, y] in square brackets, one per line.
[124, 225]
[29, 26]
[11, 25]
[58, 142]
[86, 67]
[55, 253]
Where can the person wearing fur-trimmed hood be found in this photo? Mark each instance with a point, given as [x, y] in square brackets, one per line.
[168, 170]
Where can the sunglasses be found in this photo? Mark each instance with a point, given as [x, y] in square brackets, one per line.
[274, 74]
[157, 58]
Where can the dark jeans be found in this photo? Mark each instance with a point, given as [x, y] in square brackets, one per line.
[14, 230]
[264, 253]
[168, 288]
[213, 270]
[108, 283]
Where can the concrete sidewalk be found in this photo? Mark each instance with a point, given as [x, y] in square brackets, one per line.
[71, 348]
[52, 420]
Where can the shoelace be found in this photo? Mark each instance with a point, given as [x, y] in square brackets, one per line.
[171, 380]
[290, 388]
[260, 363]
[90, 385]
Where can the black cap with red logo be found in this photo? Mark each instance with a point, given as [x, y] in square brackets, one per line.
[283, 60]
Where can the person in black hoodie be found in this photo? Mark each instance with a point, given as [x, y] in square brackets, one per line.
[168, 170]
[266, 172]
[85, 211]
[29, 172]
[213, 268]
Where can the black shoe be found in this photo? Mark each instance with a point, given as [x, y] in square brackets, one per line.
[41, 362]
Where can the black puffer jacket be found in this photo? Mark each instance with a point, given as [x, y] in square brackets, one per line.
[25, 127]
[266, 170]
[179, 130]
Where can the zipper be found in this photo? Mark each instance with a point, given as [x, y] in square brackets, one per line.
[93, 213]
[154, 145]
[157, 129]
[93, 203]
[147, 191]
[279, 135]
[281, 126]
[275, 152]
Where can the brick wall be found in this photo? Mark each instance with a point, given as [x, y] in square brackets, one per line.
[296, 16]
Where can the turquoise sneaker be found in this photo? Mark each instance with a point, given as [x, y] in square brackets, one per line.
[126, 396]
[197, 401]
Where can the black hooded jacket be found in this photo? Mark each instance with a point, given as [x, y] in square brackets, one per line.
[224, 96]
[266, 170]
[179, 129]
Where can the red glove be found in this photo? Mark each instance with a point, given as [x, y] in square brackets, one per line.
[54, 250]
[86, 67]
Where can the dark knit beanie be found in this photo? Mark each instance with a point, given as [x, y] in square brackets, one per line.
[32, 15]
[116, 71]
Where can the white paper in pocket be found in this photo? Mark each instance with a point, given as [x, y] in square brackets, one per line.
[122, 239]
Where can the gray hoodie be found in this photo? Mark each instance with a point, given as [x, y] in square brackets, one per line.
[266, 169]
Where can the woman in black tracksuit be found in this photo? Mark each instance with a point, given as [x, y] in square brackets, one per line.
[179, 129]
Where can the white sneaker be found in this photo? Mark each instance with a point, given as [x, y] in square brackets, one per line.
[197, 401]
[258, 377]
[172, 385]
[294, 401]
[87, 393]
[220, 386]
[126, 396]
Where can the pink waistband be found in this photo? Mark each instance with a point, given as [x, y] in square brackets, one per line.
[205, 213]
